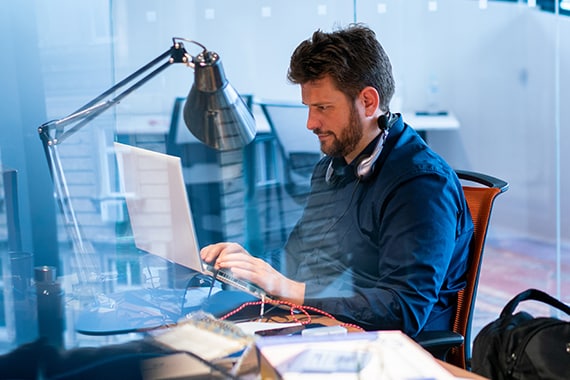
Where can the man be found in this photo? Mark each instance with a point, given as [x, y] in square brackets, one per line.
[384, 237]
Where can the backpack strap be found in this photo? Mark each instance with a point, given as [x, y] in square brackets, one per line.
[537, 295]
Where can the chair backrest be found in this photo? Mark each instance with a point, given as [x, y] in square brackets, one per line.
[288, 122]
[480, 199]
[298, 148]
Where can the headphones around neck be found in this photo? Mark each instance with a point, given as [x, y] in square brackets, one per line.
[366, 164]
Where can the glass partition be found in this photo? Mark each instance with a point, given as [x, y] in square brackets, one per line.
[493, 70]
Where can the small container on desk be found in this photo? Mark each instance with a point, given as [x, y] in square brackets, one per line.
[50, 306]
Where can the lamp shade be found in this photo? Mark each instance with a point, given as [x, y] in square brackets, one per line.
[214, 111]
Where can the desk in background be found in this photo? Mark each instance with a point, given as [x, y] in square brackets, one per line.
[424, 122]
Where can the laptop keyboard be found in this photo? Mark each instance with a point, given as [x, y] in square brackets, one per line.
[227, 277]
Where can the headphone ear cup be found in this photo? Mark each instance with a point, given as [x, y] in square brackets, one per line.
[337, 172]
[365, 167]
[329, 173]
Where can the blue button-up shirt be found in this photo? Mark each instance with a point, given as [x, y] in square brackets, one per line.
[390, 251]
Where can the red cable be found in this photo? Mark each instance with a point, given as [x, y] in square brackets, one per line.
[302, 308]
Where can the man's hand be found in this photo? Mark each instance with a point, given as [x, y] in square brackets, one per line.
[244, 266]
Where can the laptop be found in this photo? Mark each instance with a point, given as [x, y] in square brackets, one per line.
[160, 214]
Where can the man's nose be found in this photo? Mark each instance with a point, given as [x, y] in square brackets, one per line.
[312, 121]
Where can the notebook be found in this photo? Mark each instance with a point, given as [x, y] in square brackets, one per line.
[160, 214]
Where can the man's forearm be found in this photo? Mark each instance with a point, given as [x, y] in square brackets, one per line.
[293, 291]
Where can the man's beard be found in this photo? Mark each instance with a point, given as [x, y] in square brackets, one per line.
[349, 138]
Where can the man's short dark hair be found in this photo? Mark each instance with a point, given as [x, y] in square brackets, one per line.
[351, 56]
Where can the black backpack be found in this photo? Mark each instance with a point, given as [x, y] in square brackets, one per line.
[519, 346]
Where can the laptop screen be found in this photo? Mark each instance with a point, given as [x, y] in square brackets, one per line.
[158, 205]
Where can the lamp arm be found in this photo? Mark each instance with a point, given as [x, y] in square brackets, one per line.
[97, 106]
[89, 114]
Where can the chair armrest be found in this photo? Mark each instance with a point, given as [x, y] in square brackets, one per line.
[439, 342]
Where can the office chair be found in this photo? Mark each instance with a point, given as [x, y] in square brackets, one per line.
[299, 150]
[455, 346]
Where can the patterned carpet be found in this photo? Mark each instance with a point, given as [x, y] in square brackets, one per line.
[513, 265]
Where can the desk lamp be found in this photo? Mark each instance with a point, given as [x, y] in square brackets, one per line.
[214, 113]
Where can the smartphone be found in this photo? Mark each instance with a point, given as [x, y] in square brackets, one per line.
[289, 330]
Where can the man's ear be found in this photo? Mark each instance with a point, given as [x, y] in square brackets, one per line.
[370, 99]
